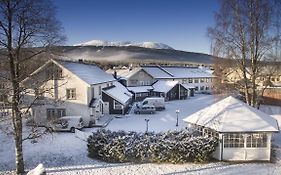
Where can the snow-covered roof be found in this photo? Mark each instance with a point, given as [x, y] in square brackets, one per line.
[139, 89]
[232, 115]
[89, 73]
[124, 73]
[164, 86]
[188, 72]
[187, 86]
[177, 72]
[118, 92]
[156, 72]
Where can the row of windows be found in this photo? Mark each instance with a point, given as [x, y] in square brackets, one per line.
[70, 92]
[238, 140]
[143, 83]
[202, 88]
[196, 80]
[273, 79]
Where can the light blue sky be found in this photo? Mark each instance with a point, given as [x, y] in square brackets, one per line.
[182, 24]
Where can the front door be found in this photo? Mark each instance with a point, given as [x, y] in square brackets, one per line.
[106, 107]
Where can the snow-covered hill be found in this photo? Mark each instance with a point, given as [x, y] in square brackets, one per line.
[152, 45]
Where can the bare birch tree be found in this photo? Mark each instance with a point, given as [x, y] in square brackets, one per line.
[245, 31]
[28, 28]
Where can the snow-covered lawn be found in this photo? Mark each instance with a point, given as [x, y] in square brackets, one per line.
[63, 153]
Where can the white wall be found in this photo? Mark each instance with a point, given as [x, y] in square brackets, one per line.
[56, 91]
[185, 81]
[246, 154]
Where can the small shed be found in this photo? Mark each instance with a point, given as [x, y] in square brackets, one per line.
[244, 132]
[170, 90]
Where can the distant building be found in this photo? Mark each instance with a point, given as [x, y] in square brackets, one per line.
[170, 82]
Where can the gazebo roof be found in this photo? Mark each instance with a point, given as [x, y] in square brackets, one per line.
[232, 115]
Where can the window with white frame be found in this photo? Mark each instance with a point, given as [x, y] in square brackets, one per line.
[196, 80]
[117, 105]
[257, 140]
[196, 88]
[202, 80]
[202, 88]
[190, 80]
[71, 94]
[233, 140]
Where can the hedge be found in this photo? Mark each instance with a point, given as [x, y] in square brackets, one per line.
[171, 146]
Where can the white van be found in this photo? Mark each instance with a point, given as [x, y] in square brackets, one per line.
[66, 123]
[157, 102]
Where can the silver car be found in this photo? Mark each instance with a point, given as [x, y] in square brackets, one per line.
[145, 109]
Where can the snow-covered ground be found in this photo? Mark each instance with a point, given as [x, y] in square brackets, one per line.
[63, 153]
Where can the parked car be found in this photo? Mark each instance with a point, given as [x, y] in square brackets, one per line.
[145, 109]
[157, 102]
[66, 123]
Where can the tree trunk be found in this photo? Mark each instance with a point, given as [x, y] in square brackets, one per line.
[19, 153]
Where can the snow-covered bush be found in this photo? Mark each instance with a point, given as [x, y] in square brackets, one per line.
[171, 146]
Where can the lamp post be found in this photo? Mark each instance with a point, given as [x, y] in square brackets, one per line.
[177, 112]
[146, 120]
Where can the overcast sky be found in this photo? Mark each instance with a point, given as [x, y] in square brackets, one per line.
[182, 24]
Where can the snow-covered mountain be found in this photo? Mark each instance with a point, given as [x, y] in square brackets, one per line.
[151, 45]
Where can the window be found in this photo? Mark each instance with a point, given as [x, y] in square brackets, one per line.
[71, 94]
[144, 83]
[133, 82]
[117, 105]
[60, 112]
[272, 79]
[207, 88]
[51, 113]
[196, 80]
[202, 88]
[207, 80]
[202, 80]
[190, 80]
[59, 73]
[256, 140]
[233, 141]
[107, 84]
[99, 90]
[196, 88]
[184, 81]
